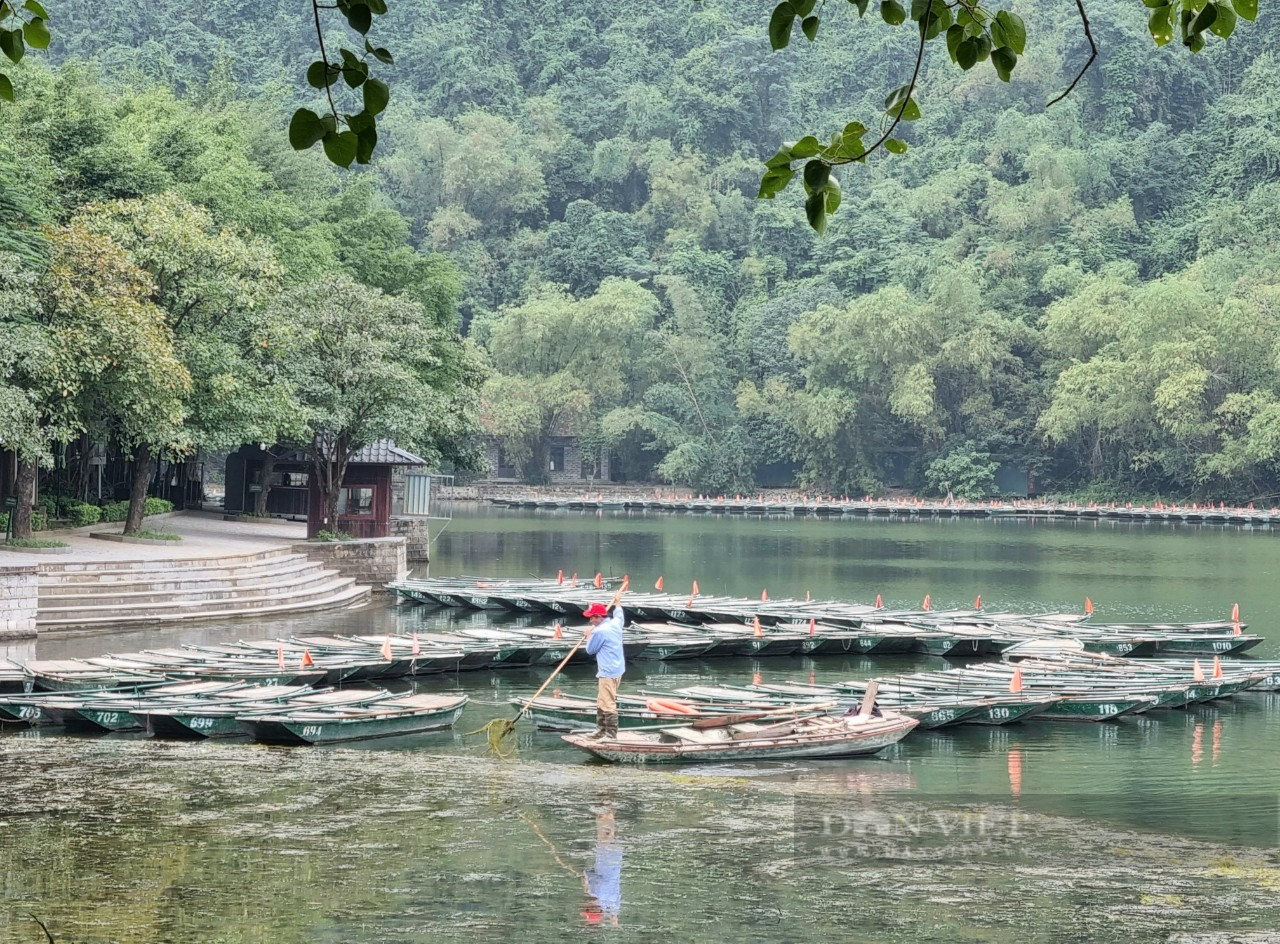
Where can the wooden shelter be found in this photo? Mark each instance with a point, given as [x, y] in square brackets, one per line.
[364, 505]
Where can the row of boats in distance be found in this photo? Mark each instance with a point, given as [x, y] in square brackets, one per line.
[1041, 684]
[669, 626]
[1192, 513]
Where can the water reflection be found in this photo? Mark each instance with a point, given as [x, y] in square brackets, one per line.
[603, 881]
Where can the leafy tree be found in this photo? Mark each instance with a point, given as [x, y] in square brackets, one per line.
[560, 364]
[367, 366]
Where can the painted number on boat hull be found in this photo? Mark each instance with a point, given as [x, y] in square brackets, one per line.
[312, 730]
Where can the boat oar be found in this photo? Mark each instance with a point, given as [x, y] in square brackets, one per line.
[499, 729]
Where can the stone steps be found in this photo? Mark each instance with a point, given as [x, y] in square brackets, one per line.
[141, 595]
[110, 569]
[257, 584]
[346, 594]
[194, 579]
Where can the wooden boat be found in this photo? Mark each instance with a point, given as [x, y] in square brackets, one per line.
[76, 675]
[217, 718]
[104, 712]
[767, 738]
[12, 678]
[387, 717]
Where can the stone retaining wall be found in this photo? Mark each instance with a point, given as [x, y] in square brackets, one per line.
[18, 601]
[417, 536]
[371, 561]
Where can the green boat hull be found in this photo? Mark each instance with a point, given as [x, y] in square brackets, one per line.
[286, 731]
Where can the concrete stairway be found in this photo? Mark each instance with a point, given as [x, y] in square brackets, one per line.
[105, 593]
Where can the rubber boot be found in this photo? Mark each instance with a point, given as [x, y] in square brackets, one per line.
[611, 725]
[599, 732]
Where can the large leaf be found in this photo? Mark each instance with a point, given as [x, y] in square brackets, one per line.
[816, 175]
[341, 147]
[6, 88]
[1160, 24]
[815, 208]
[11, 44]
[892, 12]
[809, 26]
[1015, 30]
[1225, 24]
[376, 96]
[305, 129]
[1004, 59]
[780, 25]
[36, 33]
[1247, 8]
[806, 147]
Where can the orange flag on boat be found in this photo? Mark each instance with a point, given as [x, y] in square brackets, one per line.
[977, 604]
[599, 581]
[573, 581]
[626, 582]
[1197, 673]
[695, 588]
[756, 678]
[1235, 612]
[813, 626]
[658, 585]
[764, 596]
[306, 659]
[755, 622]
[559, 633]
[1217, 667]
[926, 603]
[879, 603]
[806, 596]
[1015, 683]
[386, 649]
[1088, 605]
[1236, 630]
[417, 646]
[560, 576]
[280, 656]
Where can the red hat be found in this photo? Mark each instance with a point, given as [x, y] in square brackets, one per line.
[593, 914]
[595, 609]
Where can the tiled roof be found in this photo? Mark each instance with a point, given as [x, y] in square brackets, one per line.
[385, 452]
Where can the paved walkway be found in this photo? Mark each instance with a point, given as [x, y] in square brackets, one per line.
[203, 535]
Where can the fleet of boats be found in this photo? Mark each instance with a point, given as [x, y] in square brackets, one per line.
[316, 688]
[668, 626]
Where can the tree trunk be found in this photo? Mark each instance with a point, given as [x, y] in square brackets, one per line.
[25, 486]
[268, 469]
[138, 489]
[329, 475]
[84, 452]
[536, 472]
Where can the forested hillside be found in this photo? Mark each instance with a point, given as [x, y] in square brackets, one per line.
[1091, 289]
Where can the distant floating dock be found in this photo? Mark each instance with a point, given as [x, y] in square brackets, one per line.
[1175, 514]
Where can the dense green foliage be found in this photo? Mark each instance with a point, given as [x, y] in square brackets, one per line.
[1087, 290]
[154, 239]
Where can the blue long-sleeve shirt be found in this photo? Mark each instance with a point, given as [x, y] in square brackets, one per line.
[604, 881]
[606, 645]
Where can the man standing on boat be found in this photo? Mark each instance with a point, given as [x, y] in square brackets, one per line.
[604, 641]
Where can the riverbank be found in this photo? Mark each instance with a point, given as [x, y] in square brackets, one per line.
[804, 506]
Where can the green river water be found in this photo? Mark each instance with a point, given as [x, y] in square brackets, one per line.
[1157, 828]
